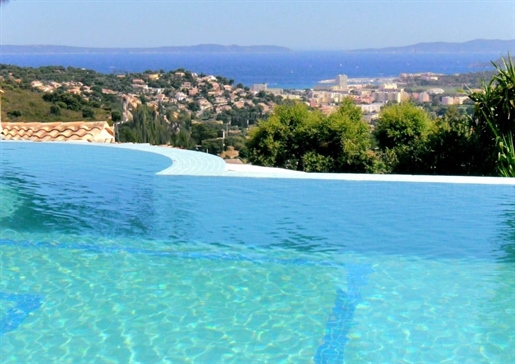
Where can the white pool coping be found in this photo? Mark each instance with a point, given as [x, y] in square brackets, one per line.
[193, 163]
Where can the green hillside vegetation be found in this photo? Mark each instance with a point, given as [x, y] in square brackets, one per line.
[23, 105]
[26, 75]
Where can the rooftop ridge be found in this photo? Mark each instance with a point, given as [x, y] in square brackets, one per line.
[90, 131]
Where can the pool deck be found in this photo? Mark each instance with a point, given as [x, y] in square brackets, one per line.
[192, 163]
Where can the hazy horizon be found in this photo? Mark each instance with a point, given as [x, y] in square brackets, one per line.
[251, 45]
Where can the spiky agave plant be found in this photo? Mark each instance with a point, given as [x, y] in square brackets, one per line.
[506, 159]
[494, 117]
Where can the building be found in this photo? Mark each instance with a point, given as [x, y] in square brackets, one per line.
[435, 91]
[385, 96]
[257, 87]
[424, 97]
[388, 86]
[276, 91]
[371, 108]
[447, 100]
[341, 82]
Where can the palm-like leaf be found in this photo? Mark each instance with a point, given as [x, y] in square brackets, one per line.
[494, 114]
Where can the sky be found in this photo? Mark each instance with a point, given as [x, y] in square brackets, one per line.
[299, 25]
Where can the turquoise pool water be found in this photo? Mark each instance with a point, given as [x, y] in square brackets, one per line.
[102, 260]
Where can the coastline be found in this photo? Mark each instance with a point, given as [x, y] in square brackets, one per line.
[290, 70]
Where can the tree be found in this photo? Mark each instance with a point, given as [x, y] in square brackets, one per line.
[116, 116]
[205, 130]
[71, 102]
[354, 143]
[88, 112]
[14, 114]
[55, 110]
[295, 137]
[401, 133]
[145, 127]
[193, 106]
[451, 147]
[340, 142]
[279, 141]
[212, 146]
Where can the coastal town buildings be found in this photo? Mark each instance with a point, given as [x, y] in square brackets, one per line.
[340, 83]
[206, 96]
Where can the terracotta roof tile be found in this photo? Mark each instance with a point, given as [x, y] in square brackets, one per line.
[38, 133]
[66, 133]
[53, 133]
[97, 131]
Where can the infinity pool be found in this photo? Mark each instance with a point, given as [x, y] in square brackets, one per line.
[104, 260]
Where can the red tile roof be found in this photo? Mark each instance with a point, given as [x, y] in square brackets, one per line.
[96, 131]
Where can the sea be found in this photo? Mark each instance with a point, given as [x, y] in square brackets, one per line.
[292, 70]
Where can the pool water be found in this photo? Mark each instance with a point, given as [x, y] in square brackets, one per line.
[102, 260]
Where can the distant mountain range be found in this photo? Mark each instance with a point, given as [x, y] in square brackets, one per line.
[473, 46]
[201, 48]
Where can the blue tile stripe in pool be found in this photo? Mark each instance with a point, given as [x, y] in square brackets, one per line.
[331, 351]
[92, 248]
[25, 304]
[337, 328]
[340, 322]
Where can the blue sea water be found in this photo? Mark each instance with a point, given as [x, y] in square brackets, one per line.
[295, 70]
[103, 260]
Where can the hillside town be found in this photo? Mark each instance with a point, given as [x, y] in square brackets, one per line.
[203, 96]
[207, 97]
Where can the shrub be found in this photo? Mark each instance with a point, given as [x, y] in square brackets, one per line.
[55, 110]
[88, 113]
[14, 114]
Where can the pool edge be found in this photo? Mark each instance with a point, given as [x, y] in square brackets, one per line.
[194, 163]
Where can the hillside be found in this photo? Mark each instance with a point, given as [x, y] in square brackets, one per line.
[26, 105]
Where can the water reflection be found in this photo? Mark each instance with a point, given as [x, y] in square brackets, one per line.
[82, 194]
[115, 193]
[428, 220]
